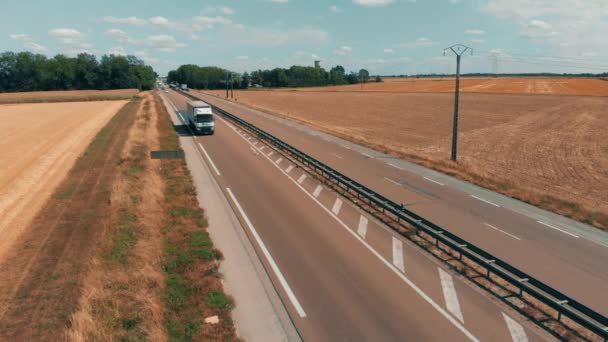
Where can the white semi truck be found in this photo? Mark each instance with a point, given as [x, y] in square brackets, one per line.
[201, 118]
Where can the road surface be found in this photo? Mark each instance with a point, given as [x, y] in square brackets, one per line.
[341, 274]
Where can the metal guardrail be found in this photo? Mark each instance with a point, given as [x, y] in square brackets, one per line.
[564, 305]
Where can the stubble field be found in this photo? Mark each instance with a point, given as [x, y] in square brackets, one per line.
[39, 144]
[506, 85]
[551, 151]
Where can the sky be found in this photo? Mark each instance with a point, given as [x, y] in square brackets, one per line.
[387, 37]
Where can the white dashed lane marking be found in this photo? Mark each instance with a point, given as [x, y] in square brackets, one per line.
[485, 201]
[337, 206]
[398, 254]
[449, 294]
[362, 230]
[317, 191]
[289, 169]
[502, 231]
[302, 178]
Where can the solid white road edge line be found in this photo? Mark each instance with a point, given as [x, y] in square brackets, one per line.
[486, 201]
[449, 293]
[559, 229]
[209, 159]
[434, 181]
[518, 334]
[398, 254]
[337, 206]
[502, 231]
[317, 191]
[273, 264]
[405, 279]
[362, 229]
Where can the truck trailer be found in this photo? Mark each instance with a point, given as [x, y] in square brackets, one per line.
[201, 117]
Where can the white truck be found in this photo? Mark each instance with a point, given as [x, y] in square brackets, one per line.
[201, 118]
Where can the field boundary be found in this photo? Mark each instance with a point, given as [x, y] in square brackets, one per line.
[53, 99]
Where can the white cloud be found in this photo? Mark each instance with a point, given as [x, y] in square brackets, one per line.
[477, 41]
[280, 1]
[22, 37]
[539, 24]
[568, 26]
[71, 40]
[220, 9]
[119, 35]
[160, 21]
[35, 47]
[66, 33]
[203, 22]
[344, 51]
[163, 43]
[424, 41]
[242, 58]
[245, 35]
[475, 31]
[372, 3]
[389, 51]
[128, 20]
[117, 50]
[28, 42]
[335, 9]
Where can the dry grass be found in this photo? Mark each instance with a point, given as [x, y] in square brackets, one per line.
[503, 85]
[547, 150]
[67, 96]
[123, 290]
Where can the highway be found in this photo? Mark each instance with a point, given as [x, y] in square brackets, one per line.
[341, 274]
[553, 254]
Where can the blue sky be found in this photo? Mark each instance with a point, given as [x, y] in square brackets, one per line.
[384, 36]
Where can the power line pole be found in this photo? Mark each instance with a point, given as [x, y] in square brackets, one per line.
[458, 50]
[227, 84]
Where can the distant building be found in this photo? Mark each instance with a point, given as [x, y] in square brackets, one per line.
[317, 64]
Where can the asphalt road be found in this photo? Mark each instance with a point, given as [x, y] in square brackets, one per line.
[547, 249]
[341, 274]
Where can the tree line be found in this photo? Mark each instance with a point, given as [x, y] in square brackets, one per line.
[25, 71]
[296, 76]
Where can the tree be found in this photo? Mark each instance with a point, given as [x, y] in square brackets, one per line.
[336, 75]
[363, 76]
[378, 79]
[245, 79]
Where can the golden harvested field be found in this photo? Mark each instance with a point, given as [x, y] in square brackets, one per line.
[67, 95]
[546, 86]
[524, 146]
[39, 144]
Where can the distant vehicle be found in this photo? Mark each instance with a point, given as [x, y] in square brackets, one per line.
[201, 118]
[184, 87]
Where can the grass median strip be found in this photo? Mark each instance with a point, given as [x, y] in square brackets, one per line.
[193, 289]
